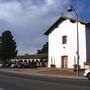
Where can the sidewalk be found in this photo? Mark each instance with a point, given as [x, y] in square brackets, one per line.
[45, 72]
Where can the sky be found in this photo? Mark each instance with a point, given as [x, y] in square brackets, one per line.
[29, 19]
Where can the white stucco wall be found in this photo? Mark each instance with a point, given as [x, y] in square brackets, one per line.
[57, 49]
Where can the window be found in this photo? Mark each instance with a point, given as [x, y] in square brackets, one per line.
[64, 40]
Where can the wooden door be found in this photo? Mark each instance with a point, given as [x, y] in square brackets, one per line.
[64, 62]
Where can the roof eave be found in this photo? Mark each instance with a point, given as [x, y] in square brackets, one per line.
[55, 25]
[60, 20]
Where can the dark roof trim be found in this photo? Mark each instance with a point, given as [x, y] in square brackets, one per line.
[37, 56]
[59, 21]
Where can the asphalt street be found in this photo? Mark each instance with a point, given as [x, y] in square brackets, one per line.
[10, 81]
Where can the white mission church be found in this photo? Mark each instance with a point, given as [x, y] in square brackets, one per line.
[62, 38]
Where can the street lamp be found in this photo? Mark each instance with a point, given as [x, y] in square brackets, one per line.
[70, 9]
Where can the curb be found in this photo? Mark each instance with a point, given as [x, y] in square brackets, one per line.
[43, 74]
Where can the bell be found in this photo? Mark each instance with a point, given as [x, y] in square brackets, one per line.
[69, 8]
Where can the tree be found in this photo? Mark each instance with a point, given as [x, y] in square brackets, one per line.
[7, 47]
[44, 49]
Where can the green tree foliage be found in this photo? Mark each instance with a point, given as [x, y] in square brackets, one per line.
[44, 49]
[7, 47]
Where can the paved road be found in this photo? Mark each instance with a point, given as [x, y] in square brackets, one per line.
[31, 82]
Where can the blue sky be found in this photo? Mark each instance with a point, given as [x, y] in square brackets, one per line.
[29, 19]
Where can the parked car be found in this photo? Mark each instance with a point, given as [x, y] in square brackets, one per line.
[13, 65]
[87, 73]
[1, 65]
[5, 65]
